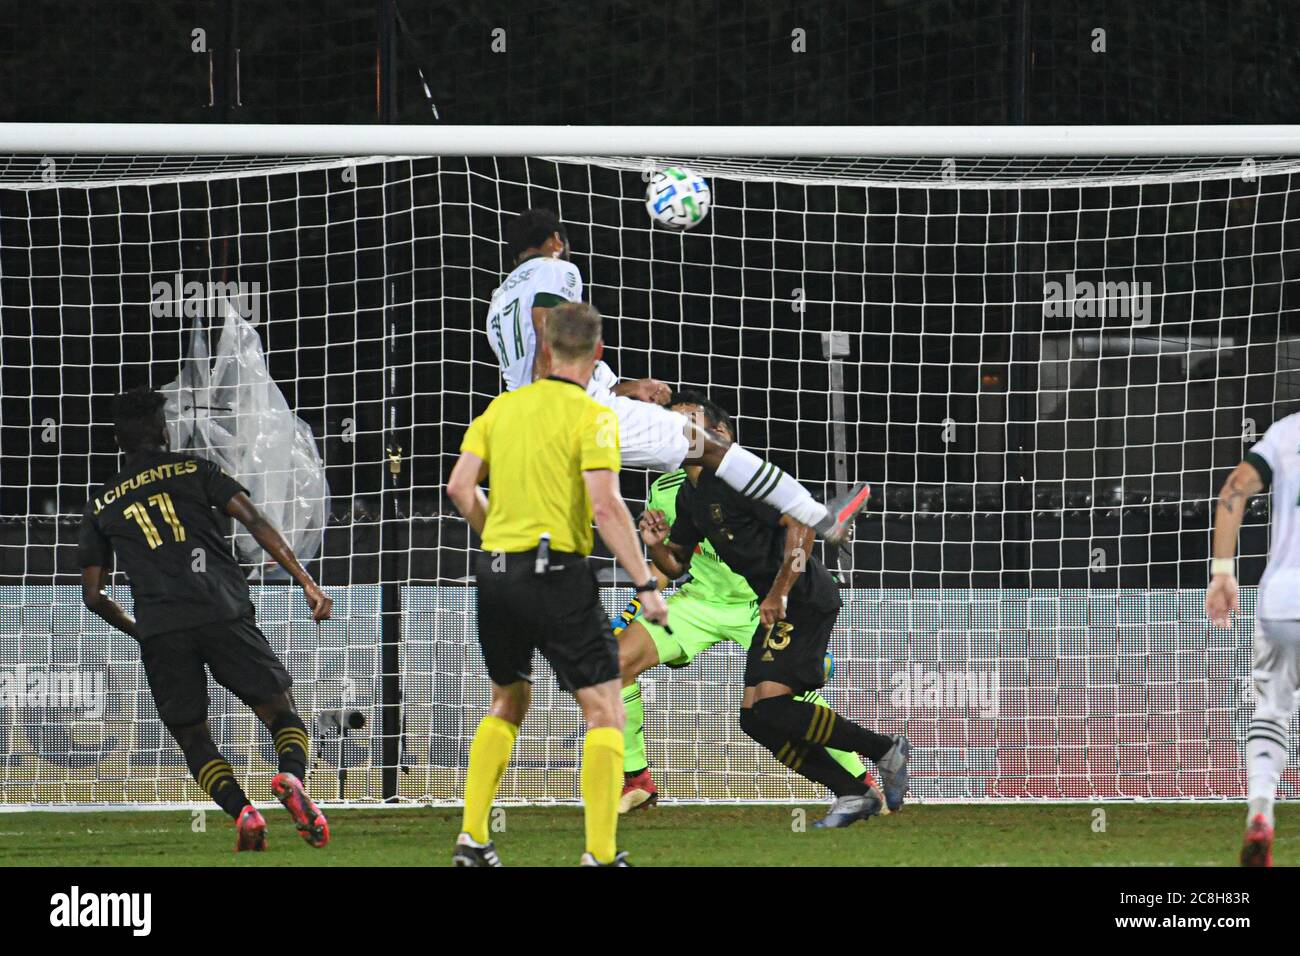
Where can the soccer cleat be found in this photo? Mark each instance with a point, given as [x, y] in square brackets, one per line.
[250, 830]
[893, 772]
[874, 789]
[620, 859]
[312, 824]
[850, 809]
[639, 792]
[1257, 850]
[469, 853]
[841, 512]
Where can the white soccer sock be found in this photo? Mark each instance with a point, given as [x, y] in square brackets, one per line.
[1266, 748]
[755, 478]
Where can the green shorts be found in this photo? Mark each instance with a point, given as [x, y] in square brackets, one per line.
[698, 625]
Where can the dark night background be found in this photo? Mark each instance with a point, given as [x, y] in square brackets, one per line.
[940, 289]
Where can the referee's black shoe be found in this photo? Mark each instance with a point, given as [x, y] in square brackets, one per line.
[469, 853]
[620, 859]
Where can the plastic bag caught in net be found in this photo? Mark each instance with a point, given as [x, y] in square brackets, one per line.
[226, 407]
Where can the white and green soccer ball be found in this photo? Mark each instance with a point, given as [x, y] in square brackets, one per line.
[677, 198]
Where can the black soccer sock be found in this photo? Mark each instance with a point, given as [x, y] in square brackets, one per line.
[808, 760]
[291, 743]
[212, 771]
[814, 724]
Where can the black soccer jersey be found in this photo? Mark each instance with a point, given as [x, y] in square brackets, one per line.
[159, 516]
[748, 536]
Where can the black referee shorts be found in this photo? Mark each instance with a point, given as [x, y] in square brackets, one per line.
[236, 651]
[792, 651]
[558, 613]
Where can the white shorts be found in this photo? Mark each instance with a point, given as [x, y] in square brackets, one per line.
[1275, 670]
[649, 436]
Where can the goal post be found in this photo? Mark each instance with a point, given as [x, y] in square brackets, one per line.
[1042, 346]
[182, 139]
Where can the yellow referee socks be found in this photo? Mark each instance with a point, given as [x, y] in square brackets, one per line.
[602, 782]
[488, 756]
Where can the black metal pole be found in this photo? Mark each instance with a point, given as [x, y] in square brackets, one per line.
[396, 478]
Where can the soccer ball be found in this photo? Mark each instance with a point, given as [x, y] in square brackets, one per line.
[677, 198]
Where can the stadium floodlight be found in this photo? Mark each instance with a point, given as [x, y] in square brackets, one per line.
[1041, 345]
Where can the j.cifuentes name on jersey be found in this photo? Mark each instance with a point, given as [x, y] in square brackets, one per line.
[146, 477]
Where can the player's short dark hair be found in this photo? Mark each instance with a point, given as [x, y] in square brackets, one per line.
[530, 229]
[715, 416]
[138, 418]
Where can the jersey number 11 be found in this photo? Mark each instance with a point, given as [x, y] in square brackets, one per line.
[163, 502]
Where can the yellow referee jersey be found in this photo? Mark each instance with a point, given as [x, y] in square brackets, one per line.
[537, 441]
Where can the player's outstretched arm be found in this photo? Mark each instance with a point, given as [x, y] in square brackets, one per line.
[614, 522]
[798, 541]
[268, 536]
[95, 596]
[1221, 599]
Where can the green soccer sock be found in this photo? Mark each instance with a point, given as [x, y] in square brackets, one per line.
[634, 730]
[845, 758]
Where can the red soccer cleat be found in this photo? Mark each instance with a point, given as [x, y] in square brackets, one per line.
[842, 511]
[312, 824]
[1257, 850]
[251, 830]
[639, 792]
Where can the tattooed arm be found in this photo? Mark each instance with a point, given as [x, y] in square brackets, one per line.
[1221, 598]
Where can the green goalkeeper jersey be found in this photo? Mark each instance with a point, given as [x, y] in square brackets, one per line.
[712, 580]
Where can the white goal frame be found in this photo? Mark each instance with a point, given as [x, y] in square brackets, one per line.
[471, 140]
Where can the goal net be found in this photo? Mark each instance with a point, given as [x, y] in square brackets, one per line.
[1044, 367]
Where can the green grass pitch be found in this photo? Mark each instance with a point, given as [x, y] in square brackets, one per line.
[1135, 834]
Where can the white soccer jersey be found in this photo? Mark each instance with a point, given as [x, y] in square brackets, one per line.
[541, 282]
[1277, 458]
[601, 386]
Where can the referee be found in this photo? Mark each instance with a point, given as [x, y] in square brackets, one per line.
[553, 455]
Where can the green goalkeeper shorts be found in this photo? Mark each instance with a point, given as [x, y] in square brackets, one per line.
[698, 625]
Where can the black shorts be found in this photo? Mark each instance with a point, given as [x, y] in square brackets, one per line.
[236, 651]
[793, 651]
[558, 613]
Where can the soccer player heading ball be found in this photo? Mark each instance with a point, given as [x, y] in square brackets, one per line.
[158, 517]
[650, 435]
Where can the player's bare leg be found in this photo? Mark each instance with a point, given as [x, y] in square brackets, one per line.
[636, 655]
[291, 744]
